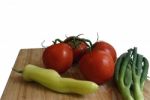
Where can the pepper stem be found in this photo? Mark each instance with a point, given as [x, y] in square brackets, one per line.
[18, 71]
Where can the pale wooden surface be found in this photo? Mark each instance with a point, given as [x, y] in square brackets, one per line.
[18, 89]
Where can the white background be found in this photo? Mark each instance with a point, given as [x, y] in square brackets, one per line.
[26, 23]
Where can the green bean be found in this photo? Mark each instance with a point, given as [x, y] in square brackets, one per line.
[128, 78]
[124, 66]
[145, 72]
[123, 75]
[118, 64]
[130, 74]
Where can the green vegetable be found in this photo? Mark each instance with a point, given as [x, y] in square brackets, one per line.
[52, 80]
[130, 74]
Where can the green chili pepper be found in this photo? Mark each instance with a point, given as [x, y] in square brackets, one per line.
[52, 80]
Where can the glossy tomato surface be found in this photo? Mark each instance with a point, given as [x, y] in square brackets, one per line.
[79, 47]
[105, 46]
[97, 66]
[79, 51]
[58, 57]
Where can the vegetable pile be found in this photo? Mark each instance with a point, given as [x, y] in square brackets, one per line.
[98, 63]
[60, 56]
[130, 74]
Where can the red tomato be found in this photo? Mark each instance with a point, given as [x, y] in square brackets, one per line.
[79, 51]
[79, 47]
[101, 45]
[97, 66]
[58, 57]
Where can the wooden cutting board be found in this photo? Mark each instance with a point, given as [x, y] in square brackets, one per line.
[18, 89]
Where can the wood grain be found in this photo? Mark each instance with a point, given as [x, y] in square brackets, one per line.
[18, 89]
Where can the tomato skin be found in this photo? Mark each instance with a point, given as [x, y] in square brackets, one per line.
[58, 57]
[102, 45]
[78, 45]
[79, 51]
[97, 66]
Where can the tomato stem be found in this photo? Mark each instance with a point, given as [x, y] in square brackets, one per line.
[90, 43]
[97, 36]
[43, 43]
[79, 35]
[66, 36]
[74, 42]
[74, 39]
[57, 40]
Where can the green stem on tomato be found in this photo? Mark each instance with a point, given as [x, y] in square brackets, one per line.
[79, 35]
[57, 40]
[74, 39]
[97, 36]
[74, 42]
[90, 43]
